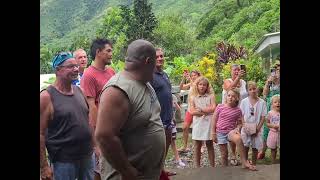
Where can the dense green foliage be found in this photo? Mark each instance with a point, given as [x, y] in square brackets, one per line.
[188, 30]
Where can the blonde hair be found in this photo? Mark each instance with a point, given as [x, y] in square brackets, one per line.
[251, 83]
[275, 97]
[237, 92]
[194, 90]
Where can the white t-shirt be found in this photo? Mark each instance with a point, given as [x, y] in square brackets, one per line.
[259, 109]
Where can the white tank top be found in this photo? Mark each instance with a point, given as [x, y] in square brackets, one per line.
[242, 89]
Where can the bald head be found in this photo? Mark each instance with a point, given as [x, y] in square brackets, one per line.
[139, 50]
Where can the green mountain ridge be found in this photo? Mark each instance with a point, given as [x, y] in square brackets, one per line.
[186, 28]
[64, 18]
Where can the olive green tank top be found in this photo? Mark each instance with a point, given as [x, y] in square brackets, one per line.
[142, 135]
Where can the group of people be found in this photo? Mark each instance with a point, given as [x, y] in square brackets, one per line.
[242, 120]
[98, 124]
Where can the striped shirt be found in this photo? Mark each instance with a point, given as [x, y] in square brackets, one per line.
[227, 118]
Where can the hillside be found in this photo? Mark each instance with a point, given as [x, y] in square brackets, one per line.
[66, 18]
[186, 28]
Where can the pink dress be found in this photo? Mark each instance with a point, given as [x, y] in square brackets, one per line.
[273, 139]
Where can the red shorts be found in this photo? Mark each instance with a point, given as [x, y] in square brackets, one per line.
[188, 118]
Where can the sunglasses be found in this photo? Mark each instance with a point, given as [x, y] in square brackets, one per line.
[252, 111]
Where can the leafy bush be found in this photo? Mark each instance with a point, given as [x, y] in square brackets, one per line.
[175, 68]
[117, 66]
[206, 65]
[254, 70]
[227, 52]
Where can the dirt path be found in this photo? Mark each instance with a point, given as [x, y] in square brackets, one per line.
[265, 172]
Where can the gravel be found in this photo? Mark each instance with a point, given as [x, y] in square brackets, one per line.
[187, 158]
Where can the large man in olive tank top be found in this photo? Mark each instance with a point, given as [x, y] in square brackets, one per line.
[129, 130]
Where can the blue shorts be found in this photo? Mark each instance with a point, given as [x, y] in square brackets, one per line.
[222, 138]
[81, 169]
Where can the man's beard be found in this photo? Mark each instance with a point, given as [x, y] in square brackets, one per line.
[108, 62]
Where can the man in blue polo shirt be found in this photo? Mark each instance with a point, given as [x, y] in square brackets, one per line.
[82, 59]
[162, 86]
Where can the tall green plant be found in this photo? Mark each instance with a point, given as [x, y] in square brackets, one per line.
[45, 60]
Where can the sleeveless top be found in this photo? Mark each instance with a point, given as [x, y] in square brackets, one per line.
[142, 135]
[189, 97]
[273, 90]
[69, 136]
[242, 89]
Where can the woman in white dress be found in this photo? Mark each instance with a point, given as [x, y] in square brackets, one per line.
[202, 108]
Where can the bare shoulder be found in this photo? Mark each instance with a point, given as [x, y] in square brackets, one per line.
[45, 98]
[45, 102]
[226, 83]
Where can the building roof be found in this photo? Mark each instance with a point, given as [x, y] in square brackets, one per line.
[271, 40]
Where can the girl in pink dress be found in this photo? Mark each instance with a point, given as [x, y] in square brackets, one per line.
[273, 122]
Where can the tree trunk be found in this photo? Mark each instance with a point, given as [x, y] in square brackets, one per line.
[238, 2]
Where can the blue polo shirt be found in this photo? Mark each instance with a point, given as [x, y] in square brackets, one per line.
[161, 85]
[77, 81]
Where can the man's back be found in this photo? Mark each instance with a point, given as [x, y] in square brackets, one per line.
[142, 135]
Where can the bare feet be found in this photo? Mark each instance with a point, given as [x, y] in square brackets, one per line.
[261, 155]
[249, 166]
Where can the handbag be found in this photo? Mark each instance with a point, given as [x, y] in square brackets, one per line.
[250, 128]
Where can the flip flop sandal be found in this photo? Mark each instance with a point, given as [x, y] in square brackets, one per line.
[168, 173]
[233, 162]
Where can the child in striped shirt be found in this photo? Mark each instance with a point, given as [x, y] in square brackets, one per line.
[227, 120]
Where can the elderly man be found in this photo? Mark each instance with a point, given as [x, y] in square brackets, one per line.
[129, 131]
[64, 125]
[81, 57]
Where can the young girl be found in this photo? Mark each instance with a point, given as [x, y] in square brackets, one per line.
[227, 119]
[273, 122]
[202, 108]
[254, 110]
[271, 88]
[184, 85]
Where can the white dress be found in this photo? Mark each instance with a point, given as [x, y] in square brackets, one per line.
[242, 89]
[259, 109]
[201, 129]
